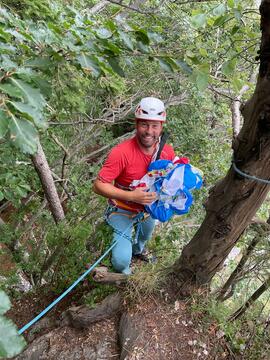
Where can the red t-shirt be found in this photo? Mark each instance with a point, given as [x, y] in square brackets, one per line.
[126, 162]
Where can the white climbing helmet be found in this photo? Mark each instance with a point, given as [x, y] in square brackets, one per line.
[151, 108]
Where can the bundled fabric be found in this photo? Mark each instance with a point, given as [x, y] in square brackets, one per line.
[173, 183]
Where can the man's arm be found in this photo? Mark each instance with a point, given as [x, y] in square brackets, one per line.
[139, 195]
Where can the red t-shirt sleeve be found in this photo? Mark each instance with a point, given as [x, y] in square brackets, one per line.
[113, 166]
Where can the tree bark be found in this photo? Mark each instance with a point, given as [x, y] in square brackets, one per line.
[44, 172]
[235, 199]
[82, 316]
[103, 276]
[128, 334]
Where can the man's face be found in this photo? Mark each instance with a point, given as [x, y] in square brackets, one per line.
[148, 132]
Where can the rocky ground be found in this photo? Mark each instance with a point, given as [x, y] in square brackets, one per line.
[157, 329]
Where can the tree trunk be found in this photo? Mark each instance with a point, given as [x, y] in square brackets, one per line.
[235, 199]
[44, 172]
[82, 316]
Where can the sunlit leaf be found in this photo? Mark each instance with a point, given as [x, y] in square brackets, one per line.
[30, 112]
[230, 3]
[219, 10]
[23, 135]
[104, 33]
[4, 35]
[228, 67]
[199, 20]
[237, 84]
[30, 94]
[126, 40]
[203, 52]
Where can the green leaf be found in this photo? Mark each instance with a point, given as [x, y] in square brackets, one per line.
[165, 65]
[126, 40]
[30, 112]
[89, 64]
[115, 66]
[184, 66]
[228, 67]
[198, 20]
[237, 84]
[235, 29]
[104, 33]
[7, 48]
[4, 303]
[230, 3]
[41, 63]
[3, 124]
[219, 10]
[203, 52]
[7, 64]
[4, 35]
[11, 343]
[111, 25]
[237, 14]
[142, 36]
[155, 37]
[11, 90]
[201, 79]
[111, 48]
[30, 94]
[142, 47]
[23, 135]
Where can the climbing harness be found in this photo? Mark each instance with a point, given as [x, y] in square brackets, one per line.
[137, 219]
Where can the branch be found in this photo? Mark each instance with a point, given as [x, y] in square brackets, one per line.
[135, 8]
[66, 155]
[97, 7]
[98, 152]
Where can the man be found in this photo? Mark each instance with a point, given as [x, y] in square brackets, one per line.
[126, 162]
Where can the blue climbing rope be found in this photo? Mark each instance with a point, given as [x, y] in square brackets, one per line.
[27, 326]
[250, 177]
[49, 307]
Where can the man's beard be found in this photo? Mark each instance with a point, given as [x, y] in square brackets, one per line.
[145, 143]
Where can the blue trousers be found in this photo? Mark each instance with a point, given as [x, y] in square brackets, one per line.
[124, 223]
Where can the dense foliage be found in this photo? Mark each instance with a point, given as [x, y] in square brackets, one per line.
[70, 79]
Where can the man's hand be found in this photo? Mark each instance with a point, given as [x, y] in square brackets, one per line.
[141, 196]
